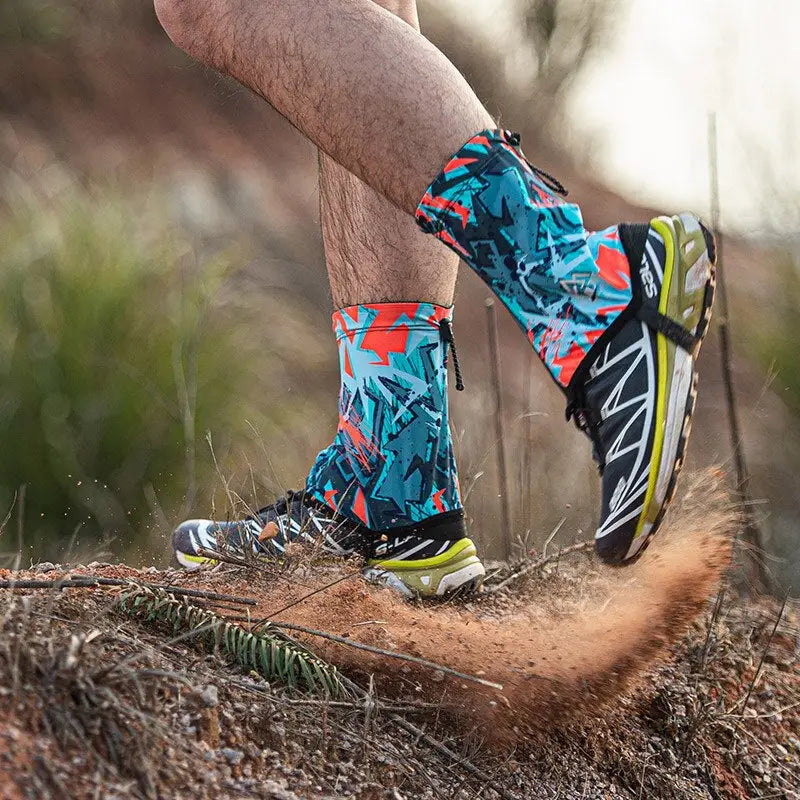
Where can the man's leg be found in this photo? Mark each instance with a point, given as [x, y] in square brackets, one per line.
[391, 464]
[616, 316]
[375, 253]
[363, 85]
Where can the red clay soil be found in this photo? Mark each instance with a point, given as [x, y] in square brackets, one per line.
[17, 748]
[554, 658]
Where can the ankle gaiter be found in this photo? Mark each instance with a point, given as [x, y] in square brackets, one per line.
[507, 220]
[391, 463]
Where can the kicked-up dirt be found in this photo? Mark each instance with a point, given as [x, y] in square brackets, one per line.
[636, 682]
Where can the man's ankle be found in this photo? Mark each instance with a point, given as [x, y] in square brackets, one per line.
[391, 463]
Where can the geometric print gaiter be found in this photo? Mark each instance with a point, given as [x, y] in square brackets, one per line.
[391, 463]
[562, 284]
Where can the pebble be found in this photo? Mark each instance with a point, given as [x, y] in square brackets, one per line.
[210, 696]
[233, 757]
[277, 792]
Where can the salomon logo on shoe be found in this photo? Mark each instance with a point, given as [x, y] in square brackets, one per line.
[648, 281]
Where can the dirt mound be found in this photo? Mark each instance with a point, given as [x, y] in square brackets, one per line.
[554, 657]
[716, 718]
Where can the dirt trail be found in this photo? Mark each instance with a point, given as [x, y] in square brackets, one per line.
[554, 658]
[563, 642]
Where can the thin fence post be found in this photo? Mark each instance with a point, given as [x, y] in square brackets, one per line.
[527, 438]
[752, 532]
[499, 428]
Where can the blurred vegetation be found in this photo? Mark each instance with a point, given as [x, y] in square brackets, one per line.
[35, 20]
[774, 341]
[547, 45]
[116, 355]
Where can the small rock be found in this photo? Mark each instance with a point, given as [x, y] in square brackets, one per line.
[229, 719]
[209, 695]
[233, 757]
[252, 751]
[277, 792]
[278, 733]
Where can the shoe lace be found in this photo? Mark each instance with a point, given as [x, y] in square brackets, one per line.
[283, 505]
[546, 178]
[588, 421]
[447, 334]
[346, 532]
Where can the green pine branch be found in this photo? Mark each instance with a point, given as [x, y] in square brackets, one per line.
[268, 652]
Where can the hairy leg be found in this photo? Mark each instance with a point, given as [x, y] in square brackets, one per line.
[374, 252]
[363, 85]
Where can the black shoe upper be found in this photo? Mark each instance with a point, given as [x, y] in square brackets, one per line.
[298, 517]
[612, 398]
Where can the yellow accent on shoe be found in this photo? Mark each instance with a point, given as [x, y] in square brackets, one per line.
[667, 233]
[458, 567]
[684, 298]
[191, 561]
[425, 563]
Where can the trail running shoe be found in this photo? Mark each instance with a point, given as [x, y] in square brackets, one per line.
[635, 399]
[432, 558]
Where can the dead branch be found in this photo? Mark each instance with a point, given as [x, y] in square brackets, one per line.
[89, 582]
[538, 564]
[388, 653]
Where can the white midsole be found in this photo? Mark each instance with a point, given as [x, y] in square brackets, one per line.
[682, 374]
[189, 564]
[460, 577]
[676, 412]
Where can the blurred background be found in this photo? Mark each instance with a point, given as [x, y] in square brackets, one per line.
[165, 344]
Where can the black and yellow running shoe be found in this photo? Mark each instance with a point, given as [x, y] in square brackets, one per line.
[427, 560]
[430, 559]
[636, 392]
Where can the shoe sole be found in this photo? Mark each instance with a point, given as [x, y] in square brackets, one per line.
[690, 247]
[457, 570]
[192, 562]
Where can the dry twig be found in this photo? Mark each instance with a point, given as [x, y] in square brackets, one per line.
[388, 653]
[538, 564]
[764, 654]
[90, 581]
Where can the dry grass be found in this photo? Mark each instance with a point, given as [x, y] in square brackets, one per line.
[611, 679]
